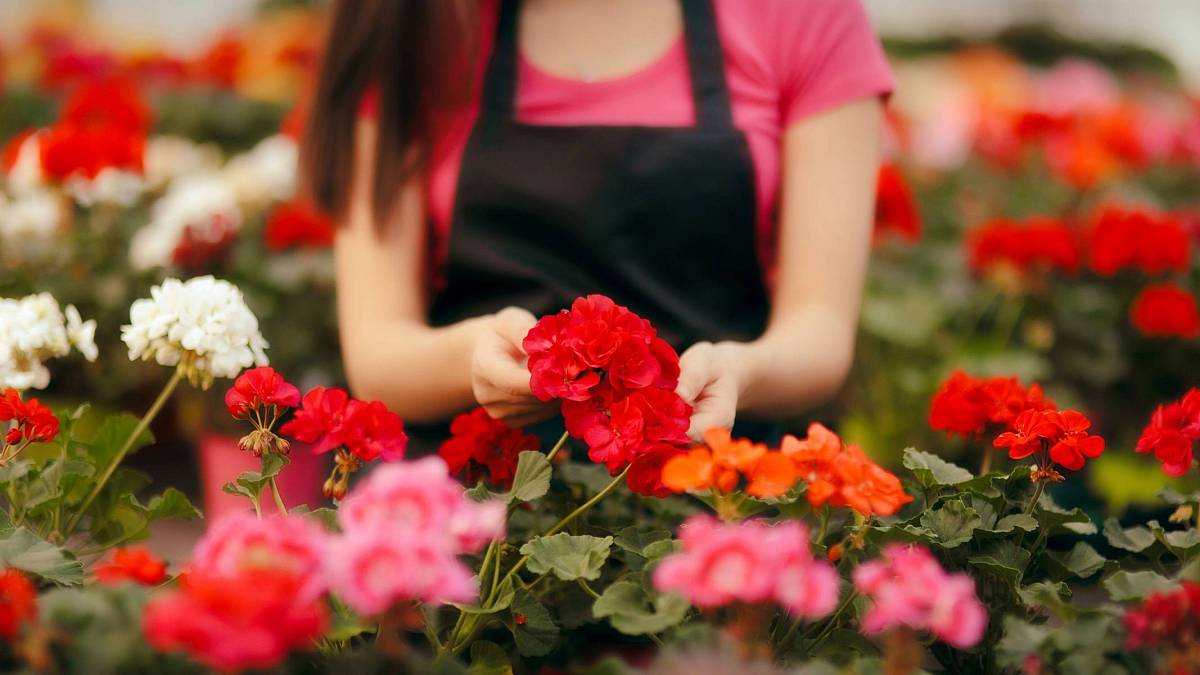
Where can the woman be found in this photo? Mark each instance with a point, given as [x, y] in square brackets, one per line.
[708, 163]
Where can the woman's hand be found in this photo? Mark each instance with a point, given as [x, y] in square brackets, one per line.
[499, 370]
[712, 378]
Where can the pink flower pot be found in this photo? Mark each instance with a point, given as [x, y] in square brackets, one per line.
[221, 461]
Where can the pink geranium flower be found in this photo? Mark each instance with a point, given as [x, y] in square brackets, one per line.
[292, 544]
[373, 569]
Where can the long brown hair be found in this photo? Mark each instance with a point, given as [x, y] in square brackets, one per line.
[416, 54]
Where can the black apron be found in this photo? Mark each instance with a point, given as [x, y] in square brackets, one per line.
[660, 219]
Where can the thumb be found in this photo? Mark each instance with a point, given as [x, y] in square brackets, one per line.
[513, 323]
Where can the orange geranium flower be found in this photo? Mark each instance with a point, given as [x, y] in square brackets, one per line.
[814, 457]
[723, 460]
[841, 475]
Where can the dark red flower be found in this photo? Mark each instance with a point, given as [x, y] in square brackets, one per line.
[1170, 435]
[136, 564]
[895, 209]
[259, 387]
[298, 223]
[1165, 310]
[1033, 243]
[1168, 621]
[319, 419]
[645, 471]
[205, 242]
[18, 602]
[1122, 238]
[479, 442]
[32, 421]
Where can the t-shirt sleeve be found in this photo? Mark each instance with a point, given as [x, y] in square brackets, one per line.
[827, 54]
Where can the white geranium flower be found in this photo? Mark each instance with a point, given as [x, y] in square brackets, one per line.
[266, 173]
[203, 207]
[168, 157]
[29, 225]
[110, 186]
[34, 329]
[26, 172]
[201, 325]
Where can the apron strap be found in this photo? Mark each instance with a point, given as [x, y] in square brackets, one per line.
[706, 67]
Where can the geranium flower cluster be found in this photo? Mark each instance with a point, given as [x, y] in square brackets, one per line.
[1165, 310]
[201, 326]
[1122, 237]
[481, 446]
[908, 588]
[256, 588]
[94, 150]
[615, 377]
[34, 329]
[28, 422]
[895, 208]
[133, 564]
[360, 431]
[968, 406]
[1172, 432]
[194, 223]
[261, 396]
[1168, 623]
[1035, 243]
[749, 562]
[298, 224]
[1061, 436]
[18, 603]
[834, 473]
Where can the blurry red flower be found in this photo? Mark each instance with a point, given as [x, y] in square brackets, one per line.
[251, 620]
[1165, 310]
[895, 209]
[18, 602]
[646, 469]
[205, 242]
[298, 223]
[1167, 622]
[221, 62]
[136, 564]
[1170, 435]
[71, 149]
[1121, 238]
[1033, 243]
[966, 405]
[479, 442]
[258, 387]
[111, 103]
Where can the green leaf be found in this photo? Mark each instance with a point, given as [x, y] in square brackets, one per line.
[533, 628]
[171, 504]
[251, 483]
[635, 538]
[592, 477]
[627, 608]
[504, 600]
[1021, 639]
[15, 470]
[1082, 560]
[1016, 521]
[660, 549]
[324, 515]
[1135, 539]
[568, 556]
[1183, 543]
[532, 477]
[114, 431]
[26, 551]
[487, 658]
[1124, 585]
[1004, 559]
[1055, 597]
[1057, 520]
[933, 470]
[952, 524]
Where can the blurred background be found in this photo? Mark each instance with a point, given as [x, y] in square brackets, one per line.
[1027, 140]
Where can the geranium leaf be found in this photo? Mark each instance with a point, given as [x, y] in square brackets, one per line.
[1004, 559]
[627, 608]
[933, 470]
[1135, 539]
[26, 551]
[487, 658]
[1124, 585]
[1057, 520]
[114, 431]
[1082, 560]
[952, 524]
[533, 628]
[171, 504]
[567, 556]
[532, 477]
[1052, 596]
[1016, 521]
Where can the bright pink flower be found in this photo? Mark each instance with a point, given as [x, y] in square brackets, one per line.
[420, 496]
[319, 419]
[251, 620]
[240, 541]
[749, 562]
[375, 568]
[259, 387]
[908, 587]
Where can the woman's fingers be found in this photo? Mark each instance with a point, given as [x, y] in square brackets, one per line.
[695, 371]
[704, 381]
[716, 406]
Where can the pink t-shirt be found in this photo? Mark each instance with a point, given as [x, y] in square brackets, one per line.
[785, 60]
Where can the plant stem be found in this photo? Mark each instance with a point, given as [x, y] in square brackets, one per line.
[140, 429]
[588, 589]
[986, 465]
[278, 497]
[562, 440]
[1037, 496]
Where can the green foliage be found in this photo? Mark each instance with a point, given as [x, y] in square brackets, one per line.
[631, 610]
[568, 557]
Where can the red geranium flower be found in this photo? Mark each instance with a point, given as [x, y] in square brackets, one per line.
[479, 442]
[319, 419]
[1073, 443]
[1063, 434]
[1036, 242]
[233, 623]
[371, 431]
[136, 564]
[113, 102]
[965, 405]
[1168, 623]
[1171, 432]
[259, 387]
[646, 469]
[18, 602]
[298, 223]
[33, 422]
[1122, 238]
[1165, 310]
[895, 209]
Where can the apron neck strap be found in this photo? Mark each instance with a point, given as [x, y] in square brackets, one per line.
[706, 66]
